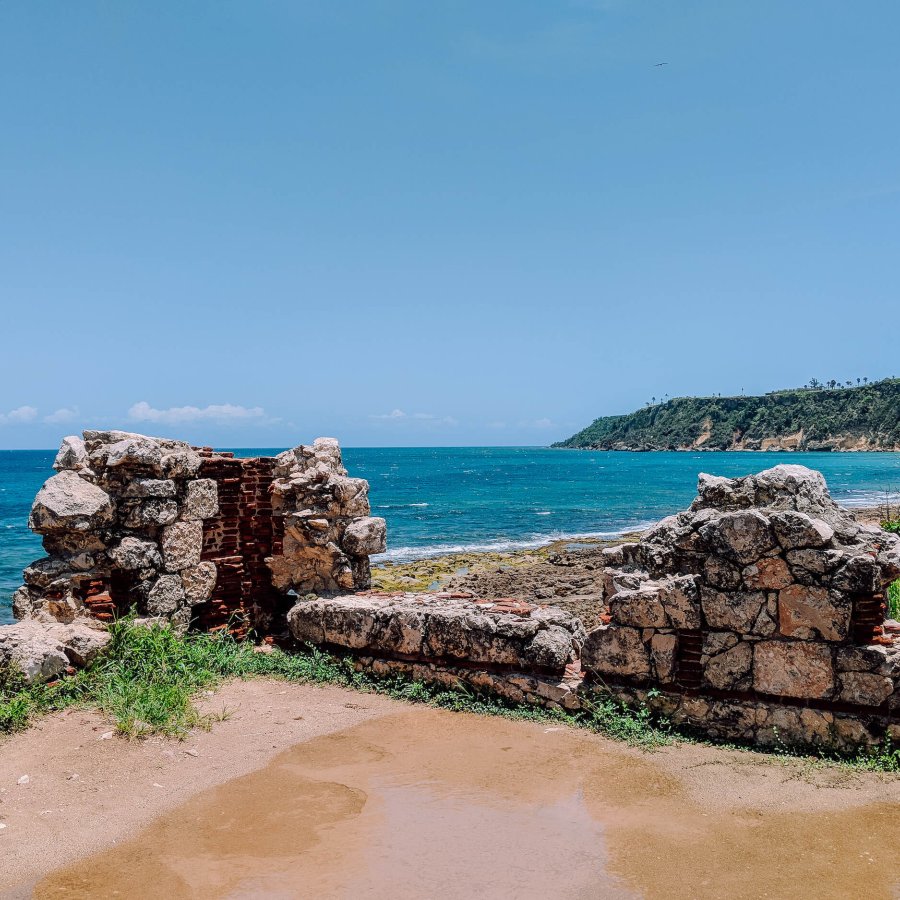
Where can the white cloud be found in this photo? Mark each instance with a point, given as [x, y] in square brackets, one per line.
[19, 416]
[224, 413]
[62, 416]
[397, 415]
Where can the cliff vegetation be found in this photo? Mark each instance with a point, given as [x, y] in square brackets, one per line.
[815, 417]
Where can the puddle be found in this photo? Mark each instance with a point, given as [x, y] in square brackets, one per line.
[428, 803]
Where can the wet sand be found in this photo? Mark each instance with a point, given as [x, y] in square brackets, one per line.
[414, 802]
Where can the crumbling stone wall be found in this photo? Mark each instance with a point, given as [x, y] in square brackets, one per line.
[757, 614]
[188, 534]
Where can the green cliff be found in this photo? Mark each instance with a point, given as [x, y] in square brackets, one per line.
[812, 418]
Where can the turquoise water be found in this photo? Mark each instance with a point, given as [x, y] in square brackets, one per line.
[481, 498]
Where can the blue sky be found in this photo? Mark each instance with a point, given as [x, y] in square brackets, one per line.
[437, 223]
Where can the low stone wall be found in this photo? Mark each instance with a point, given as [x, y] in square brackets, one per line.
[443, 629]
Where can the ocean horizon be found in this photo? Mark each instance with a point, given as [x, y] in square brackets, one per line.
[440, 500]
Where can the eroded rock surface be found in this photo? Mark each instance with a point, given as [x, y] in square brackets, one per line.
[328, 532]
[442, 627]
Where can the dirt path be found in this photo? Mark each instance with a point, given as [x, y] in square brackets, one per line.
[321, 791]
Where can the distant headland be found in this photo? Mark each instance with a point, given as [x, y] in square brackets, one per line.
[819, 416]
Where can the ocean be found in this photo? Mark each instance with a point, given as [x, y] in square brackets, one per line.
[443, 500]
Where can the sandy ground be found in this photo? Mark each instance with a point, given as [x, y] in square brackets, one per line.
[359, 795]
[87, 788]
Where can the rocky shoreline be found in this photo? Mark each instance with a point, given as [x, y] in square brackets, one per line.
[763, 445]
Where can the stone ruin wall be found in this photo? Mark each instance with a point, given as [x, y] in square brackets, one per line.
[186, 535]
[756, 615]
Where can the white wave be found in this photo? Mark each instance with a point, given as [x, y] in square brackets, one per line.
[543, 512]
[854, 499]
[398, 505]
[500, 545]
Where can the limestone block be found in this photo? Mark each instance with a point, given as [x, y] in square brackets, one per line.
[724, 493]
[166, 595]
[889, 560]
[768, 574]
[44, 571]
[664, 654]
[182, 544]
[681, 600]
[136, 452]
[67, 502]
[616, 651]
[795, 488]
[813, 613]
[365, 536]
[859, 575]
[133, 554]
[640, 608]
[864, 688]
[814, 562]
[744, 612]
[730, 669]
[793, 669]
[71, 455]
[721, 573]
[198, 582]
[742, 537]
[440, 627]
[181, 463]
[868, 658]
[797, 531]
[30, 647]
[152, 513]
[161, 489]
[82, 642]
[201, 499]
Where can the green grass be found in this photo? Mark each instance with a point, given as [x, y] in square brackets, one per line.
[894, 600]
[148, 679]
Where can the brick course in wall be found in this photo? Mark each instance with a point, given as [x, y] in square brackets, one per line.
[238, 541]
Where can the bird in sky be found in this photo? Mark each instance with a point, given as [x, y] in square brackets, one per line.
[660, 64]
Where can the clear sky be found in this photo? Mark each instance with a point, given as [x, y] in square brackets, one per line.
[442, 222]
